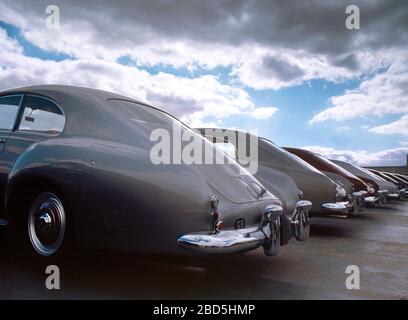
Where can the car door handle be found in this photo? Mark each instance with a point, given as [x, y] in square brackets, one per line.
[3, 140]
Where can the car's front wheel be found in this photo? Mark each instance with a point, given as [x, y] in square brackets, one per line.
[47, 223]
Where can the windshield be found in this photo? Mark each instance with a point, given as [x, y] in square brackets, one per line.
[143, 118]
[137, 113]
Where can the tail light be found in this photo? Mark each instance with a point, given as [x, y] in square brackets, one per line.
[219, 226]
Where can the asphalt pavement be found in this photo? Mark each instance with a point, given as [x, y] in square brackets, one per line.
[376, 241]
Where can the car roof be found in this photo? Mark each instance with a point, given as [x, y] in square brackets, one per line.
[87, 110]
[53, 91]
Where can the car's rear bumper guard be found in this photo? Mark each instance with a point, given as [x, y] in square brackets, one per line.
[302, 207]
[357, 201]
[233, 241]
[379, 199]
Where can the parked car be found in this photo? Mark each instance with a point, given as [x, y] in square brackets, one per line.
[77, 162]
[295, 221]
[356, 189]
[326, 196]
[393, 179]
[402, 184]
[384, 190]
[405, 180]
[403, 177]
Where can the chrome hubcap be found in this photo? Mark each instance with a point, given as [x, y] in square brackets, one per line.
[46, 224]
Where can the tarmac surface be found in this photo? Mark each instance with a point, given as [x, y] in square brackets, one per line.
[376, 241]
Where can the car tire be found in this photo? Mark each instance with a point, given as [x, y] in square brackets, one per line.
[271, 246]
[302, 228]
[2, 240]
[46, 224]
[40, 232]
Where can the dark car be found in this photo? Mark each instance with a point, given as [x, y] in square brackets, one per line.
[403, 177]
[77, 162]
[405, 180]
[384, 190]
[357, 190]
[401, 184]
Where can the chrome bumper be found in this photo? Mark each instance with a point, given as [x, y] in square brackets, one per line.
[371, 200]
[338, 207]
[227, 241]
[393, 196]
[233, 241]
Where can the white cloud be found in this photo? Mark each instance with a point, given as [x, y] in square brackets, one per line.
[396, 156]
[384, 93]
[397, 127]
[264, 113]
[276, 68]
[268, 44]
[196, 100]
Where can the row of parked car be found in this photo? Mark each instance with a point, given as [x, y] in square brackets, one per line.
[76, 163]
[308, 184]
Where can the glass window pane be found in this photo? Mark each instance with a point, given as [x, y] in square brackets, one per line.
[8, 111]
[41, 115]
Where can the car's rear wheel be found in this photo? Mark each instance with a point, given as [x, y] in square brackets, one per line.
[302, 228]
[47, 224]
[271, 246]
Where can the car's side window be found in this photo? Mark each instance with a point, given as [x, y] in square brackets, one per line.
[42, 115]
[9, 106]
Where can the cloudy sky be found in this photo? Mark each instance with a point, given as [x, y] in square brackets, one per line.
[290, 69]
